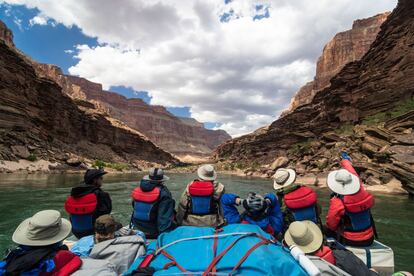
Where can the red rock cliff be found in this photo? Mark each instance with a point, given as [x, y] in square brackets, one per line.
[38, 116]
[380, 83]
[176, 135]
[344, 48]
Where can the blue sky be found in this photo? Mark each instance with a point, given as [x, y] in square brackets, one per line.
[50, 44]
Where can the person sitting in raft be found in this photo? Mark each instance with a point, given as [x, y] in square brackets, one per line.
[87, 202]
[119, 247]
[262, 211]
[200, 203]
[349, 216]
[40, 250]
[297, 202]
[153, 205]
[309, 238]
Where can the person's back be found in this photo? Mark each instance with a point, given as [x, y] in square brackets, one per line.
[153, 205]
[40, 250]
[87, 202]
[349, 216]
[298, 202]
[200, 202]
[262, 211]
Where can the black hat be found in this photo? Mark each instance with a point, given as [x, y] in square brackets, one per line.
[254, 203]
[156, 175]
[91, 174]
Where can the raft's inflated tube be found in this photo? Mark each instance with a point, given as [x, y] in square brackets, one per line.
[304, 261]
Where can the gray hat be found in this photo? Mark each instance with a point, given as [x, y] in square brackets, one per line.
[207, 172]
[283, 178]
[343, 182]
[156, 174]
[44, 228]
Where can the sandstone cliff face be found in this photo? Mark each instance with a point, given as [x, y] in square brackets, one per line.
[380, 83]
[177, 135]
[38, 118]
[344, 48]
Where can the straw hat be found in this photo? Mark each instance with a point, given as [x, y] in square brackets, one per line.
[343, 182]
[156, 175]
[44, 228]
[207, 172]
[304, 234]
[283, 178]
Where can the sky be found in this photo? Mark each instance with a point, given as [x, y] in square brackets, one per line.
[231, 64]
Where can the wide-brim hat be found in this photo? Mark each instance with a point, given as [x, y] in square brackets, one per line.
[156, 175]
[207, 172]
[44, 228]
[283, 178]
[343, 182]
[304, 234]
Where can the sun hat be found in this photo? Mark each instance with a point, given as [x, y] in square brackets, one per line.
[343, 182]
[283, 178]
[156, 175]
[304, 234]
[44, 228]
[207, 172]
[91, 174]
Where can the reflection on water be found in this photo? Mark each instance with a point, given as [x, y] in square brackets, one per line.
[23, 195]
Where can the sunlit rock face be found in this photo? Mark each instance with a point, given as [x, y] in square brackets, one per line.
[344, 48]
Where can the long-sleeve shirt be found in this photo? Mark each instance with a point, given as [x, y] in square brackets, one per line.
[273, 217]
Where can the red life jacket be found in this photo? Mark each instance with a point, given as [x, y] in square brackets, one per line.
[144, 204]
[326, 254]
[81, 211]
[66, 263]
[357, 220]
[201, 198]
[269, 229]
[302, 204]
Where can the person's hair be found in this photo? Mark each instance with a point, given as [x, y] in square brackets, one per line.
[105, 227]
[103, 237]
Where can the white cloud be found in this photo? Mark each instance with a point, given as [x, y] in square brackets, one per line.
[241, 73]
[38, 20]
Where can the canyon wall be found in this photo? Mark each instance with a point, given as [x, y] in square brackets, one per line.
[344, 48]
[374, 92]
[180, 136]
[38, 120]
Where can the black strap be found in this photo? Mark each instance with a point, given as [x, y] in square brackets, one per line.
[373, 225]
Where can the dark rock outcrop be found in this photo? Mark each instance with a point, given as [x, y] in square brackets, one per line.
[380, 82]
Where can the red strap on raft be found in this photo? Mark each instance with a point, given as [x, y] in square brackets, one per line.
[201, 188]
[245, 256]
[300, 198]
[326, 253]
[148, 197]
[81, 205]
[358, 202]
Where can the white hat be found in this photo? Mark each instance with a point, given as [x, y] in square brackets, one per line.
[283, 178]
[207, 172]
[44, 228]
[343, 182]
[304, 234]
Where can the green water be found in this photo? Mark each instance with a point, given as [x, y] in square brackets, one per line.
[23, 195]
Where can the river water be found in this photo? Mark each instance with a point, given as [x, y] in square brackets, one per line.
[23, 195]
